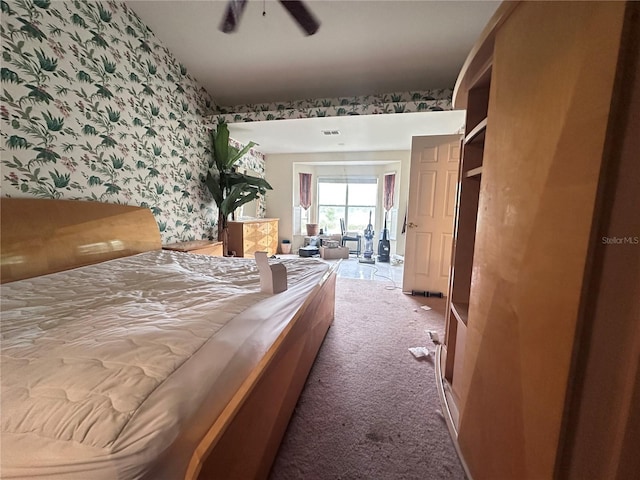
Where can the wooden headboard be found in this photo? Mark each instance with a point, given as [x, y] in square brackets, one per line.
[45, 236]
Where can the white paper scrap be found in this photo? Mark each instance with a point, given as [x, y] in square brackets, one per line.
[273, 278]
[419, 352]
[425, 307]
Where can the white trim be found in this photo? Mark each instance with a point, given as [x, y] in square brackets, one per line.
[446, 411]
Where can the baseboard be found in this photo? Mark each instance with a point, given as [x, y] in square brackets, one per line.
[446, 411]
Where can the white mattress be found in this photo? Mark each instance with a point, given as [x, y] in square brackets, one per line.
[104, 367]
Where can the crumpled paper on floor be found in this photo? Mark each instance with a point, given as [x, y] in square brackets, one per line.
[419, 352]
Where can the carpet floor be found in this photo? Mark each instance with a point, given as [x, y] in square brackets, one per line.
[369, 409]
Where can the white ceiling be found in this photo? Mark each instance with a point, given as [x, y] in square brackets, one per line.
[362, 47]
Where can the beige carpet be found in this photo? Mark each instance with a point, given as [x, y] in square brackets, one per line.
[370, 410]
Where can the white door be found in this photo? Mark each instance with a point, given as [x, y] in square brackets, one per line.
[432, 196]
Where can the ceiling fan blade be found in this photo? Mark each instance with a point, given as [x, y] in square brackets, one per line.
[232, 16]
[302, 15]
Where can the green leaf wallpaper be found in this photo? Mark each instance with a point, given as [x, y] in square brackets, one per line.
[386, 103]
[94, 107]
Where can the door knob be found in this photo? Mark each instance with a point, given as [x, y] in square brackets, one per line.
[412, 225]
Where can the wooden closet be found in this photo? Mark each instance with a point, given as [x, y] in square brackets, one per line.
[539, 372]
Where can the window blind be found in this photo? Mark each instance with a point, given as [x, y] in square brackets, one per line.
[358, 179]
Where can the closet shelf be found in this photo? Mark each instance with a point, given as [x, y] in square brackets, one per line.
[477, 134]
[474, 172]
[461, 311]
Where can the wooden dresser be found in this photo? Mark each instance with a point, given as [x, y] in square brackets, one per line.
[203, 247]
[254, 235]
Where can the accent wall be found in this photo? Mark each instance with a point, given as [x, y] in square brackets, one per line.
[94, 107]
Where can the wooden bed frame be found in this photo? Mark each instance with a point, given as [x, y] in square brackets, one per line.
[38, 237]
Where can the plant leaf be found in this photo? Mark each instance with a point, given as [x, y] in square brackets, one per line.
[238, 196]
[213, 184]
[248, 196]
[241, 153]
[239, 178]
[221, 146]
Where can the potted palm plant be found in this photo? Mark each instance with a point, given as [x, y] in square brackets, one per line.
[229, 188]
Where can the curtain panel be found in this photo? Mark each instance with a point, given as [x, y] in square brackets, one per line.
[388, 190]
[305, 190]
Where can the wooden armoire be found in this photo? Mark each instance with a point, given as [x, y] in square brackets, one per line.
[539, 373]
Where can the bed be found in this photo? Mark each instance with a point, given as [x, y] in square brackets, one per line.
[123, 360]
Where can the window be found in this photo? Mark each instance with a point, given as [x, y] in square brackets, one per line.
[351, 199]
[300, 219]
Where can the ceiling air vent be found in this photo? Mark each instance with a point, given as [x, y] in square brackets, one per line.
[331, 132]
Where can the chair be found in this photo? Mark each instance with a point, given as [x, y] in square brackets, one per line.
[346, 237]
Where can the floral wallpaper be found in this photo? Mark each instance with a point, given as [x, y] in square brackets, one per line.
[403, 102]
[94, 107]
